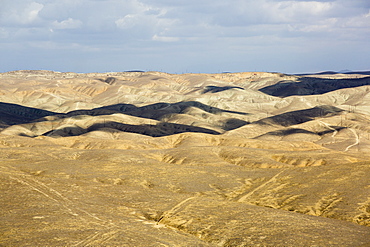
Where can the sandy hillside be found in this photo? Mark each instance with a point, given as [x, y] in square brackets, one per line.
[157, 159]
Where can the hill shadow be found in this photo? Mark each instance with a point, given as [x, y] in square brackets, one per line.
[12, 114]
[158, 130]
[109, 80]
[233, 123]
[301, 116]
[312, 86]
[216, 89]
[286, 132]
[154, 111]
[292, 131]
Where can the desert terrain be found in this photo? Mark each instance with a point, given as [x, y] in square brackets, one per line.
[157, 159]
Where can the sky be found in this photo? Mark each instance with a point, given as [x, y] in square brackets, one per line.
[185, 36]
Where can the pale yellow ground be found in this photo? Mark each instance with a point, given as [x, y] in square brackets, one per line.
[217, 163]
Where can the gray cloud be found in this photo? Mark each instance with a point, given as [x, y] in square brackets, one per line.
[177, 36]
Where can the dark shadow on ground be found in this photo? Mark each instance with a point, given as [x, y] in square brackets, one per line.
[234, 123]
[216, 89]
[291, 131]
[312, 86]
[335, 128]
[297, 117]
[161, 129]
[286, 132]
[154, 111]
[11, 114]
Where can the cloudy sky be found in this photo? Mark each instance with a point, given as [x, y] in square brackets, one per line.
[180, 36]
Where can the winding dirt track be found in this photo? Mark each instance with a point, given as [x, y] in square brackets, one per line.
[357, 142]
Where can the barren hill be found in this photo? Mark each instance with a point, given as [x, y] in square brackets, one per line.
[157, 159]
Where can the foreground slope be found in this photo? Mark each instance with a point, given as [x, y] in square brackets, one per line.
[154, 159]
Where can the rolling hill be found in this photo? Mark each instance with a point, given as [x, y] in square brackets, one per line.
[155, 159]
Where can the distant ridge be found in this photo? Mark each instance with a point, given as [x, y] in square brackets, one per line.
[339, 72]
[135, 71]
[358, 72]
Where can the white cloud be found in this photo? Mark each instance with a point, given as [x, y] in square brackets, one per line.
[146, 22]
[292, 11]
[30, 14]
[165, 38]
[362, 21]
[129, 21]
[19, 12]
[67, 24]
[246, 12]
[326, 25]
